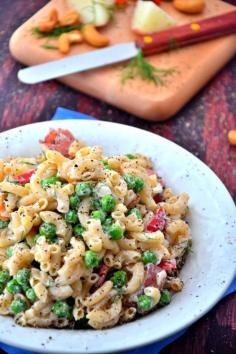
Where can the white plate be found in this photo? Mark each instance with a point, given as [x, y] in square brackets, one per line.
[208, 271]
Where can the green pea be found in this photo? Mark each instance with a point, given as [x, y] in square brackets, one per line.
[145, 303]
[149, 257]
[119, 279]
[106, 224]
[3, 224]
[13, 287]
[96, 203]
[46, 182]
[36, 238]
[134, 183]
[131, 156]
[48, 230]
[4, 276]
[165, 298]
[116, 232]
[74, 201]
[9, 252]
[83, 189]
[71, 217]
[30, 294]
[139, 184]
[25, 286]
[22, 276]
[106, 165]
[18, 306]
[62, 309]
[78, 230]
[99, 214]
[91, 259]
[135, 211]
[108, 203]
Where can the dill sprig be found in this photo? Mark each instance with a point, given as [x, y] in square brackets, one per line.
[140, 67]
[56, 32]
[49, 46]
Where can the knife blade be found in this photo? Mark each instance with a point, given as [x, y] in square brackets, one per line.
[172, 38]
[78, 63]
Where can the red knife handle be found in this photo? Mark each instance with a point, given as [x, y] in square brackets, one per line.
[194, 32]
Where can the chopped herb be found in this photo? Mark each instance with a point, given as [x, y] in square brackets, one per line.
[49, 46]
[140, 67]
[56, 32]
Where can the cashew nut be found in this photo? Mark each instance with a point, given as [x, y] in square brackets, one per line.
[71, 18]
[93, 37]
[51, 23]
[232, 137]
[64, 43]
[189, 6]
[66, 39]
[75, 37]
[53, 15]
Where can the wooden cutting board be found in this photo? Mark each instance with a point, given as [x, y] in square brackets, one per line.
[195, 65]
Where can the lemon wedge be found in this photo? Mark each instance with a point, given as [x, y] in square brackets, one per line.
[149, 18]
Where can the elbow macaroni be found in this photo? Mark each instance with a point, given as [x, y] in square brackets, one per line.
[83, 264]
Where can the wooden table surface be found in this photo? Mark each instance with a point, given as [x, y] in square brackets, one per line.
[201, 127]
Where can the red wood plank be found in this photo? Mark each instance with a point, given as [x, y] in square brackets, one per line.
[218, 121]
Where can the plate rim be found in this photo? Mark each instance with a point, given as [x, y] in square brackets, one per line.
[52, 124]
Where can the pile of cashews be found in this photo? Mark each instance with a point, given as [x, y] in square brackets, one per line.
[88, 32]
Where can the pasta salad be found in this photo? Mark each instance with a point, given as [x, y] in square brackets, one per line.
[87, 240]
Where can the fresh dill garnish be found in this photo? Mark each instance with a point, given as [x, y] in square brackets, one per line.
[56, 32]
[49, 46]
[140, 67]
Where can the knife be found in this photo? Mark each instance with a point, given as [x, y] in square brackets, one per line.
[175, 37]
